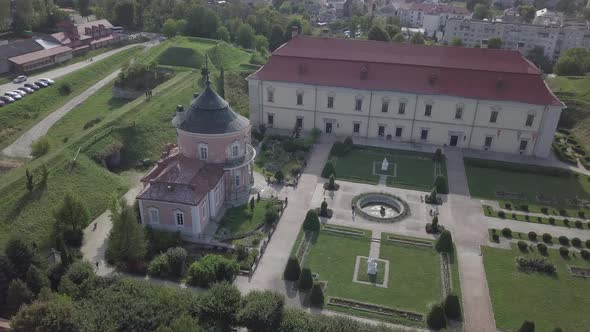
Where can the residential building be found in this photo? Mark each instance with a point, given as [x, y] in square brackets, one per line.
[87, 36]
[521, 37]
[461, 97]
[39, 59]
[16, 48]
[208, 168]
[431, 17]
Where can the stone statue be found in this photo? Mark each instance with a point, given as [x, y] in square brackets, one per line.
[372, 266]
[384, 165]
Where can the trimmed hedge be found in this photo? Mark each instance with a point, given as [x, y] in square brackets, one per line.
[436, 317]
[305, 279]
[563, 251]
[547, 238]
[317, 295]
[292, 269]
[563, 240]
[312, 221]
[507, 232]
[585, 253]
[542, 247]
[576, 242]
[523, 245]
[532, 236]
[452, 306]
[445, 242]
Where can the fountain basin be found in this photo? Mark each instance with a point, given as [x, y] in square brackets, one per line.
[380, 207]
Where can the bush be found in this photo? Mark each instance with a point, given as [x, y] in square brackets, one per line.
[311, 222]
[212, 268]
[576, 242]
[65, 89]
[159, 266]
[547, 238]
[581, 214]
[177, 259]
[532, 236]
[271, 214]
[40, 147]
[444, 242]
[501, 214]
[535, 264]
[496, 238]
[552, 220]
[436, 317]
[305, 280]
[292, 269]
[527, 326]
[563, 251]
[261, 311]
[579, 224]
[523, 245]
[440, 183]
[317, 295]
[563, 240]
[452, 306]
[340, 149]
[328, 170]
[91, 123]
[507, 232]
[279, 176]
[542, 248]
[588, 244]
[585, 253]
[544, 210]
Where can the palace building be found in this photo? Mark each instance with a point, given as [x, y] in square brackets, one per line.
[473, 98]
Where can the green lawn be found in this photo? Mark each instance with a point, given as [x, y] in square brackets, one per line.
[559, 221]
[414, 170]
[241, 219]
[20, 116]
[530, 180]
[550, 301]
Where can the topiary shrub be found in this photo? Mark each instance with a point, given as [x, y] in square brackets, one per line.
[563, 240]
[292, 269]
[585, 254]
[348, 142]
[436, 317]
[328, 170]
[547, 238]
[588, 244]
[501, 214]
[507, 232]
[279, 176]
[523, 246]
[563, 251]
[324, 209]
[552, 220]
[544, 210]
[159, 266]
[542, 248]
[440, 183]
[579, 224]
[305, 281]
[566, 222]
[317, 295]
[312, 221]
[452, 306]
[445, 242]
[527, 326]
[576, 242]
[177, 257]
[211, 269]
[271, 214]
[532, 236]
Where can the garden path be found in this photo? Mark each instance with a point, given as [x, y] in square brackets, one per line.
[375, 248]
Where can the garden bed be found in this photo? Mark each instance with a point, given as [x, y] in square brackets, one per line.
[410, 241]
[376, 309]
[564, 222]
[343, 231]
[285, 154]
[577, 271]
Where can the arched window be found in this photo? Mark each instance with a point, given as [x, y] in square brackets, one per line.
[154, 214]
[179, 218]
[203, 151]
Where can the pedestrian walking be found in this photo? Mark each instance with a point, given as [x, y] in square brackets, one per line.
[94, 228]
[97, 263]
[353, 210]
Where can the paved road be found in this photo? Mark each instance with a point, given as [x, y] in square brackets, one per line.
[58, 72]
[22, 146]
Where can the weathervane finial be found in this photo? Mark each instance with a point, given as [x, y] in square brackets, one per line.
[207, 70]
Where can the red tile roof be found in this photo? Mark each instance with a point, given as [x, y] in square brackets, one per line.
[486, 74]
[22, 59]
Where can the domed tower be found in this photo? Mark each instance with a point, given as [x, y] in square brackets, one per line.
[210, 167]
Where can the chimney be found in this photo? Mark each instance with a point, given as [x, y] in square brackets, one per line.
[294, 31]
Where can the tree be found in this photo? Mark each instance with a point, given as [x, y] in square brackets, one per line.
[20, 254]
[124, 13]
[481, 11]
[277, 35]
[495, 43]
[185, 323]
[170, 28]
[55, 316]
[6, 275]
[261, 311]
[399, 38]
[70, 219]
[527, 326]
[126, 242]
[418, 38]
[445, 242]
[36, 279]
[83, 7]
[252, 204]
[221, 304]
[221, 85]
[312, 221]
[470, 4]
[328, 169]
[436, 317]
[5, 14]
[305, 279]
[574, 61]
[177, 258]
[392, 30]
[537, 56]
[440, 183]
[245, 36]
[271, 214]
[23, 16]
[30, 184]
[18, 294]
[44, 176]
[279, 176]
[285, 8]
[211, 269]
[78, 281]
[457, 41]
[324, 209]
[452, 306]
[317, 295]
[223, 34]
[292, 269]
[378, 33]
[527, 12]
[261, 44]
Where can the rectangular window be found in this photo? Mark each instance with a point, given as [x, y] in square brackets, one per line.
[300, 99]
[204, 211]
[424, 134]
[402, 108]
[356, 128]
[488, 142]
[358, 105]
[459, 112]
[330, 102]
[385, 107]
[529, 120]
[235, 150]
[270, 96]
[299, 122]
[179, 219]
[398, 131]
[494, 116]
[523, 145]
[381, 131]
[204, 153]
[154, 216]
[428, 110]
[237, 180]
[270, 119]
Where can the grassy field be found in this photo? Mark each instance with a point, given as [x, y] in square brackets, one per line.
[414, 170]
[548, 300]
[241, 219]
[529, 180]
[20, 116]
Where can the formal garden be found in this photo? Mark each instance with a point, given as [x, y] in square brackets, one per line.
[543, 285]
[411, 273]
[405, 169]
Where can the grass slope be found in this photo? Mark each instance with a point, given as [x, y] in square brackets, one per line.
[549, 301]
[181, 56]
[575, 92]
[239, 220]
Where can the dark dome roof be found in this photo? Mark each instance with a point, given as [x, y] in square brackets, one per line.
[210, 114]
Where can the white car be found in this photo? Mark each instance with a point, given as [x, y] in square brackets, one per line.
[13, 95]
[19, 79]
[26, 90]
[47, 81]
[18, 92]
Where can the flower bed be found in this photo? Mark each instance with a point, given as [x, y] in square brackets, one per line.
[490, 212]
[577, 271]
[411, 241]
[376, 309]
[342, 231]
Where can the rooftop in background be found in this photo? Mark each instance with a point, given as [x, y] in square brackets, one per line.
[19, 47]
[82, 27]
[437, 8]
[485, 74]
[21, 59]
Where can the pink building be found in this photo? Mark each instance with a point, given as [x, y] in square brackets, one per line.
[208, 168]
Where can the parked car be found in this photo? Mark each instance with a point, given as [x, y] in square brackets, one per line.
[19, 79]
[25, 89]
[13, 95]
[21, 93]
[2, 103]
[32, 86]
[42, 84]
[47, 81]
[7, 99]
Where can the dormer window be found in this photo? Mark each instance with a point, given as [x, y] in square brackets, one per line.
[203, 151]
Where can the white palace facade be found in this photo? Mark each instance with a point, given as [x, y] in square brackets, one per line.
[450, 96]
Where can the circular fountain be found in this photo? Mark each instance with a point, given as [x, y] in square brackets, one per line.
[381, 207]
